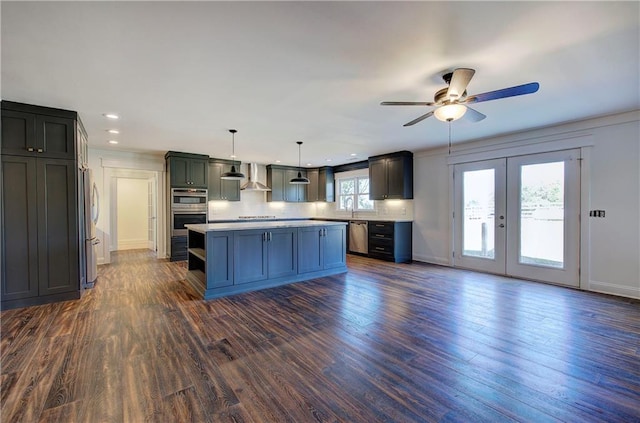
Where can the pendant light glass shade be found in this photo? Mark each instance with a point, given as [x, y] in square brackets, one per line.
[233, 175]
[450, 112]
[299, 180]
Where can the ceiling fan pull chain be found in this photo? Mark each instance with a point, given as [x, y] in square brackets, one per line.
[449, 137]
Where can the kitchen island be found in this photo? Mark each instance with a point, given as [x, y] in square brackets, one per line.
[231, 258]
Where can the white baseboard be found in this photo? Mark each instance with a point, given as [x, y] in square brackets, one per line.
[443, 261]
[614, 289]
[132, 244]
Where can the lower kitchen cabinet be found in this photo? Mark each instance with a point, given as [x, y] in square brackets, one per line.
[40, 236]
[390, 241]
[178, 248]
[217, 250]
[271, 253]
[321, 248]
[229, 262]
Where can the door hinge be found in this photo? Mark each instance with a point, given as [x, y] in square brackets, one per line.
[453, 254]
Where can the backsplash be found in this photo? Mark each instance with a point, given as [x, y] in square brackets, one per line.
[254, 203]
[387, 209]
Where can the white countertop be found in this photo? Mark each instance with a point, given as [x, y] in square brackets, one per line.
[242, 226]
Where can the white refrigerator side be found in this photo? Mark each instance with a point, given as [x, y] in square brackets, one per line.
[91, 210]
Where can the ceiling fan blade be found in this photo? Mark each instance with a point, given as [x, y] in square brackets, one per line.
[418, 119]
[473, 115]
[459, 81]
[529, 88]
[406, 103]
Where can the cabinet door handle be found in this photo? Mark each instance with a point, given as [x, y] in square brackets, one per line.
[270, 236]
[379, 248]
[380, 236]
[29, 148]
[40, 150]
[380, 226]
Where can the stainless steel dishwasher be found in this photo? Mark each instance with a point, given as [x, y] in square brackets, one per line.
[358, 236]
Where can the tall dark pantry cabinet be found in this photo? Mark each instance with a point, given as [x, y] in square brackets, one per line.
[42, 241]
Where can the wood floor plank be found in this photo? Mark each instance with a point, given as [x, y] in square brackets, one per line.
[383, 342]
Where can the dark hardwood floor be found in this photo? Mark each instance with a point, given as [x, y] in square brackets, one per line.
[384, 342]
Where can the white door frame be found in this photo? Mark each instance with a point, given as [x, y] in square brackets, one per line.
[569, 273]
[114, 168]
[507, 262]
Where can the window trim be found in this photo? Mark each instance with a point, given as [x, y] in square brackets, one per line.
[355, 175]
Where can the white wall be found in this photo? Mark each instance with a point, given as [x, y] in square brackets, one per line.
[610, 180]
[132, 205]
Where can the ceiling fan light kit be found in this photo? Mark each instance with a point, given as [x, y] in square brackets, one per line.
[452, 102]
[233, 175]
[450, 112]
[299, 180]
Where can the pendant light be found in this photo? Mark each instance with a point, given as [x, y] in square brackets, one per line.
[233, 175]
[299, 180]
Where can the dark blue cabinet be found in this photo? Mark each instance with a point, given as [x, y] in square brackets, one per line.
[250, 253]
[321, 247]
[310, 249]
[226, 262]
[211, 259]
[335, 243]
[282, 252]
[265, 254]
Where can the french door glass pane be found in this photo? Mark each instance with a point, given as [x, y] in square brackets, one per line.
[479, 213]
[542, 214]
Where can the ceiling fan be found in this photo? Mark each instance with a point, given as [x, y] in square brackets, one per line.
[453, 102]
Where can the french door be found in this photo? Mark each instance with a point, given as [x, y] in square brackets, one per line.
[519, 216]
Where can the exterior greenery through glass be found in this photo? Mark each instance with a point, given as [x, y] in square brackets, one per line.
[353, 194]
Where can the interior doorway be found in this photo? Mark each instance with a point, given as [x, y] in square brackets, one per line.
[134, 208]
[520, 216]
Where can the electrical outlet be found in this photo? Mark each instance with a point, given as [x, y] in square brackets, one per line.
[403, 212]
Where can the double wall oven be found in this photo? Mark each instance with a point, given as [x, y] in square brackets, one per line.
[188, 206]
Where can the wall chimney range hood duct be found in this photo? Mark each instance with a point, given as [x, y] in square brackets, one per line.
[252, 184]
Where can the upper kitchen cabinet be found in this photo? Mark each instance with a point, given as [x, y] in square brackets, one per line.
[321, 184]
[278, 178]
[37, 131]
[221, 189]
[391, 176]
[187, 170]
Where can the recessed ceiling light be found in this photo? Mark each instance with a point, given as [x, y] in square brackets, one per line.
[353, 154]
[111, 116]
[113, 142]
[113, 131]
[233, 156]
[277, 161]
[328, 160]
[308, 164]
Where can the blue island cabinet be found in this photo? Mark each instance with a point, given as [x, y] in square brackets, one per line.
[321, 247]
[265, 254]
[226, 262]
[211, 259]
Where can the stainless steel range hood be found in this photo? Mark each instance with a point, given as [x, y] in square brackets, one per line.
[252, 184]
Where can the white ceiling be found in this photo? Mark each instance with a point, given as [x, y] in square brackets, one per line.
[181, 74]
